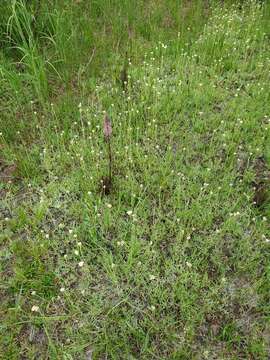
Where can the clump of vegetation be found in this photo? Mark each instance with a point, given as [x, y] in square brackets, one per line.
[173, 263]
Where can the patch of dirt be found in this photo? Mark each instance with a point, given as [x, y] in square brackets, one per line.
[36, 335]
[3, 193]
[261, 183]
[7, 172]
[30, 334]
[242, 302]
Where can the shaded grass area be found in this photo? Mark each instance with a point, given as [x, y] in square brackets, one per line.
[174, 262]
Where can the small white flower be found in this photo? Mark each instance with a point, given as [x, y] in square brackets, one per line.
[62, 289]
[129, 212]
[81, 263]
[109, 206]
[76, 252]
[188, 264]
[35, 308]
[79, 244]
[33, 293]
[70, 231]
[152, 277]
[47, 236]
[152, 308]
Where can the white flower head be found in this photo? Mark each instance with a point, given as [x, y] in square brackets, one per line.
[35, 308]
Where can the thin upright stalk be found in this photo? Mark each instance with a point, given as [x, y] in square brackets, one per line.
[110, 159]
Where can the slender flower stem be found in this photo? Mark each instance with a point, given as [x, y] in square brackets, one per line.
[110, 159]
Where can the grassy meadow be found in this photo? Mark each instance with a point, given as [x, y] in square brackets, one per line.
[173, 261]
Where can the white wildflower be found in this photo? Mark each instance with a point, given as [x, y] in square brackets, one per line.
[35, 308]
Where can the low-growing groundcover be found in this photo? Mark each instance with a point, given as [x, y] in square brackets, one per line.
[173, 261]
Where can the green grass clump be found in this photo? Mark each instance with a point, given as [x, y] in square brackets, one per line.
[172, 263]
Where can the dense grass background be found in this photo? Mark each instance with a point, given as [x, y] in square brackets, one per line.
[174, 262]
